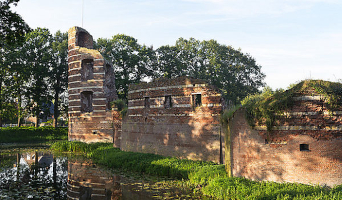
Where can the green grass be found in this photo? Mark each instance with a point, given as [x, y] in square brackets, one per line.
[32, 134]
[208, 177]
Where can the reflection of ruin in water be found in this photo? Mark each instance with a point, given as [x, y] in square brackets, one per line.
[85, 181]
[34, 174]
[62, 178]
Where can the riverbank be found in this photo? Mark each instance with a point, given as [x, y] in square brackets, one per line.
[32, 134]
[207, 177]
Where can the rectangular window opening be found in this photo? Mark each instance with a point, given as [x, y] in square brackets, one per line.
[147, 102]
[196, 100]
[304, 147]
[87, 69]
[87, 101]
[168, 101]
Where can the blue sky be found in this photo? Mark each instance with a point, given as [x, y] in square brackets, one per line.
[292, 40]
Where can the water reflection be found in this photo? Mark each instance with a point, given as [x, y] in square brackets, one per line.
[33, 175]
[41, 175]
[85, 181]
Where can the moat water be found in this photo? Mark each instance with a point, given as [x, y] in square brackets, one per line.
[31, 174]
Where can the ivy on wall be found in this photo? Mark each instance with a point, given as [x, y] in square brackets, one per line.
[265, 108]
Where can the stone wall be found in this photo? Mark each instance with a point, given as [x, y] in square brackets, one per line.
[304, 147]
[91, 89]
[174, 117]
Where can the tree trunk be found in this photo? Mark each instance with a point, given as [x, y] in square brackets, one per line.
[37, 118]
[19, 109]
[55, 110]
[0, 101]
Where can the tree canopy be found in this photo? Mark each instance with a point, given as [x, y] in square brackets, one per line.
[12, 27]
[34, 73]
[233, 72]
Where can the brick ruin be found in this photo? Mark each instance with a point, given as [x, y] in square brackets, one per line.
[305, 146]
[181, 117]
[174, 117]
[91, 89]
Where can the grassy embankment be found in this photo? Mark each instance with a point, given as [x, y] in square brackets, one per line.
[32, 134]
[210, 178]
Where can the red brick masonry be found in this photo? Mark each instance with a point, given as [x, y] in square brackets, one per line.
[91, 89]
[174, 117]
[292, 155]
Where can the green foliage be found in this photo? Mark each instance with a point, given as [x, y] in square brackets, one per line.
[32, 134]
[264, 108]
[58, 73]
[203, 175]
[121, 105]
[241, 188]
[133, 62]
[228, 114]
[12, 27]
[77, 147]
[234, 73]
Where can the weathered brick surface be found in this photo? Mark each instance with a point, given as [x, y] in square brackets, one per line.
[95, 124]
[182, 130]
[280, 159]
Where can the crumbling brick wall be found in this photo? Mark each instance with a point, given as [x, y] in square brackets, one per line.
[174, 117]
[91, 89]
[304, 147]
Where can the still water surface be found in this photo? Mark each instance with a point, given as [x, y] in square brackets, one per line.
[42, 175]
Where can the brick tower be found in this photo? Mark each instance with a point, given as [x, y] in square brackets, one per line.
[91, 89]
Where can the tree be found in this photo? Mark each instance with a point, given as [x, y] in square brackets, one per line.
[18, 78]
[12, 33]
[58, 73]
[4, 74]
[169, 62]
[132, 62]
[236, 74]
[38, 52]
[12, 27]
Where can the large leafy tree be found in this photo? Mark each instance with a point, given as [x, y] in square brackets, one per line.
[58, 73]
[12, 27]
[233, 72]
[4, 90]
[236, 74]
[38, 55]
[12, 32]
[19, 75]
[169, 62]
[132, 62]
